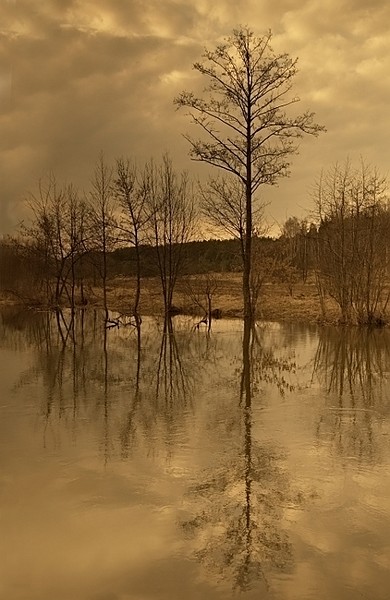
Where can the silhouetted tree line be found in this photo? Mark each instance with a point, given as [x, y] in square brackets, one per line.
[218, 256]
[76, 242]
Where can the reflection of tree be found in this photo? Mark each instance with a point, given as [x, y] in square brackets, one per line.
[133, 386]
[267, 366]
[129, 426]
[21, 328]
[65, 359]
[163, 384]
[171, 377]
[239, 505]
[352, 363]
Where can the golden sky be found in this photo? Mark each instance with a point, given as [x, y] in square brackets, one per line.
[78, 77]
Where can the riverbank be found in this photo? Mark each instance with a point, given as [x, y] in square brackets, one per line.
[276, 303]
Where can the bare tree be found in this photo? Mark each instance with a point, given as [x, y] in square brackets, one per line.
[55, 240]
[103, 220]
[46, 236]
[79, 241]
[201, 290]
[248, 132]
[132, 197]
[171, 221]
[352, 253]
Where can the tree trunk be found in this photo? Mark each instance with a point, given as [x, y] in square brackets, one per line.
[246, 282]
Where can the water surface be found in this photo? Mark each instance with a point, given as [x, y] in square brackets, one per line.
[163, 463]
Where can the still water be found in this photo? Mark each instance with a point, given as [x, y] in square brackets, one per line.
[163, 463]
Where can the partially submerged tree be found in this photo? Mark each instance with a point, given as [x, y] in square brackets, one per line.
[46, 239]
[243, 116]
[55, 242]
[103, 221]
[132, 197]
[201, 290]
[171, 221]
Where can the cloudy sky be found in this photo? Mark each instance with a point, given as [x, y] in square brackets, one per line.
[78, 77]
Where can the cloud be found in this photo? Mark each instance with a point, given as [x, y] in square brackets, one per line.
[78, 77]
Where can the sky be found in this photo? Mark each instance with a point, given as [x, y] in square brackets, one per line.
[81, 77]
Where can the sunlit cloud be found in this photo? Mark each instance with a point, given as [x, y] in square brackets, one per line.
[98, 75]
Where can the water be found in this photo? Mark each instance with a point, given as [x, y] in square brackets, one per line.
[168, 464]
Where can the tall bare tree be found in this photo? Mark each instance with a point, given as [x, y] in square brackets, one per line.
[103, 220]
[171, 220]
[243, 116]
[132, 196]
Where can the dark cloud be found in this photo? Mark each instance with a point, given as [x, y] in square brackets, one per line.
[81, 76]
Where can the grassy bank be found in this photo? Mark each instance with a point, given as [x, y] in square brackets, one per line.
[275, 303]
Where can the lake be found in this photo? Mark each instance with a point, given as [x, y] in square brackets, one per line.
[163, 462]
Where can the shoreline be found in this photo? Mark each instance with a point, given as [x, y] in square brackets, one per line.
[275, 303]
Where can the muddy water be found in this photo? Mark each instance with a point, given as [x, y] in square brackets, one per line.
[165, 463]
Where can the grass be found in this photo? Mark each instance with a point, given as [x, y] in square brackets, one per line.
[275, 302]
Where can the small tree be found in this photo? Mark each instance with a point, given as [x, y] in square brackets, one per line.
[201, 290]
[248, 132]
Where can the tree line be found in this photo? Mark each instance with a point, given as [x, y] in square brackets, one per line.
[141, 223]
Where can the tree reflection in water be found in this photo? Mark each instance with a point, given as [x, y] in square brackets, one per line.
[238, 505]
[164, 386]
[128, 429]
[172, 378]
[70, 359]
[352, 364]
[85, 368]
